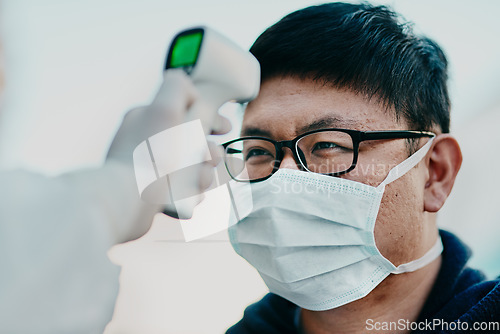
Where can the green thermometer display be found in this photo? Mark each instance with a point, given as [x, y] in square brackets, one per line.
[185, 49]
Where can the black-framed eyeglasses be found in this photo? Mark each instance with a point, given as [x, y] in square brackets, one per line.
[326, 151]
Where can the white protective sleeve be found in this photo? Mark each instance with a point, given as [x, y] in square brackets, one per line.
[54, 236]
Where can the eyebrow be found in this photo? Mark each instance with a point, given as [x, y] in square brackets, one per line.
[255, 131]
[322, 123]
[327, 122]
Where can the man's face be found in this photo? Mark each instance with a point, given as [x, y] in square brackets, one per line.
[286, 106]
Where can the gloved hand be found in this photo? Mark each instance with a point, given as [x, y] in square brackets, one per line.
[170, 108]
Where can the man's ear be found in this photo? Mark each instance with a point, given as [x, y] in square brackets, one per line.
[443, 165]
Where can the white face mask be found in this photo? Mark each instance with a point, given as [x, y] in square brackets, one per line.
[311, 236]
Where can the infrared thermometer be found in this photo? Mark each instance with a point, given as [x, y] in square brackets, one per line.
[221, 72]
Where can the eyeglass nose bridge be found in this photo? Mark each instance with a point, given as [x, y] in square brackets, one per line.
[291, 144]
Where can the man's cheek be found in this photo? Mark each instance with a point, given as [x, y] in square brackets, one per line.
[397, 229]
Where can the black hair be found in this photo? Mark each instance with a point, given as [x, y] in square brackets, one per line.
[363, 48]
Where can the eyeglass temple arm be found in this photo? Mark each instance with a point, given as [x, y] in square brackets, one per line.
[373, 135]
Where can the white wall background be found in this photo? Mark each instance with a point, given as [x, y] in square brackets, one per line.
[74, 68]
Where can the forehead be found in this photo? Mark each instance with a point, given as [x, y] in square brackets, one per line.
[287, 107]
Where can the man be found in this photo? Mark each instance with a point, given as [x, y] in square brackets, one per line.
[348, 152]
[55, 232]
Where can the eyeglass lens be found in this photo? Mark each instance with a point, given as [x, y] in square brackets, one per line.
[322, 152]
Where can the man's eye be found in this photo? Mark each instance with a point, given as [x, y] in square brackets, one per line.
[325, 145]
[257, 152]
[328, 148]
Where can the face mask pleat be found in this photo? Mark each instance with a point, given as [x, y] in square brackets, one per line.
[265, 229]
[297, 263]
[315, 294]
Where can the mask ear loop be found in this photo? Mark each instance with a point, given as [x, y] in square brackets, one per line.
[395, 174]
[427, 258]
[406, 165]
